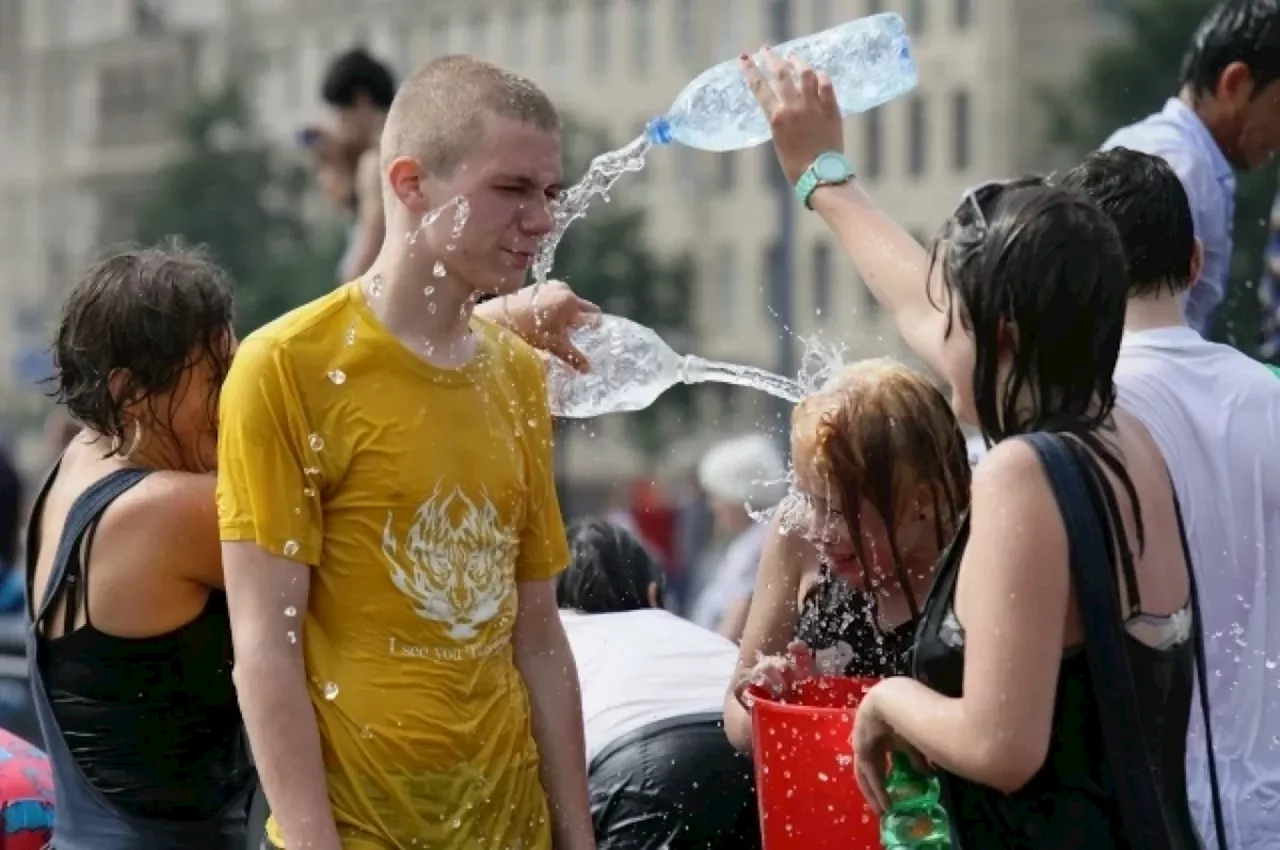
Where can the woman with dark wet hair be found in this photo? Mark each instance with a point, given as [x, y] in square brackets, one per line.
[130, 647]
[1054, 666]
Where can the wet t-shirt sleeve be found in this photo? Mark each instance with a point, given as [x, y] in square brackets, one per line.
[268, 492]
[544, 551]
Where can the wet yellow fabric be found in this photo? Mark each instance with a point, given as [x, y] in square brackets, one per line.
[421, 497]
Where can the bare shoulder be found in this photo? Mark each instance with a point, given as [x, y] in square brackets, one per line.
[1010, 464]
[166, 505]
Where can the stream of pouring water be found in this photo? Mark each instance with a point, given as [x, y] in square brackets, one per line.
[605, 170]
[697, 370]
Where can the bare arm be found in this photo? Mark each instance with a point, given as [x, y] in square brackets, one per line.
[1012, 597]
[734, 620]
[373, 226]
[546, 324]
[894, 266]
[546, 663]
[267, 596]
[771, 619]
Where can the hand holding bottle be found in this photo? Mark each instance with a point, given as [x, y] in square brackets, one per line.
[801, 106]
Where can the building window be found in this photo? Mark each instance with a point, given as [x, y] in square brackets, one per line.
[600, 51]
[960, 150]
[821, 280]
[478, 34]
[771, 293]
[642, 31]
[726, 171]
[916, 16]
[517, 25]
[727, 41]
[823, 15]
[685, 32]
[778, 15]
[438, 40]
[557, 45]
[917, 140]
[725, 290]
[963, 14]
[873, 143]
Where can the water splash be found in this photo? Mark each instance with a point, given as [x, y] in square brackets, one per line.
[605, 170]
[698, 370]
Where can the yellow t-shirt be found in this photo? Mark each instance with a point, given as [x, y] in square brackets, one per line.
[421, 497]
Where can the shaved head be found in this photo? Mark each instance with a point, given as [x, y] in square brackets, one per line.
[439, 114]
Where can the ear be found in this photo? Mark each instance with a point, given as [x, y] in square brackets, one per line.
[1235, 84]
[117, 382]
[405, 176]
[1197, 262]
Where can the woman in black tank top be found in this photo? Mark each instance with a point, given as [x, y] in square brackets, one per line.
[130, 646]
[881, 436]
[1053, 703]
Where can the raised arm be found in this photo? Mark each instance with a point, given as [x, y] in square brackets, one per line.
[546, 322]
[805, 121]
[771, 620]
[267, 595]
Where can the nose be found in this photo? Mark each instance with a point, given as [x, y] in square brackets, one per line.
[538, 219]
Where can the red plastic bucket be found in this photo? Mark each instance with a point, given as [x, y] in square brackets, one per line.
[805, 782]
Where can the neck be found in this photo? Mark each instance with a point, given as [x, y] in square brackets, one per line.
[1212, 118]
[144, 448]
[1149, 313]
[418, 307]
[892, 608]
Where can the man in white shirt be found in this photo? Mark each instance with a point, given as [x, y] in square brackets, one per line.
[1215, 413]
[661, 771]
[1226, 115]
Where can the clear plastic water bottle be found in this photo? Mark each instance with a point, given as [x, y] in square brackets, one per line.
[868, 60]
[631, 366]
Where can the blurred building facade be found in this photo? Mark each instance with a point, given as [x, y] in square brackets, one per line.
[88, 87]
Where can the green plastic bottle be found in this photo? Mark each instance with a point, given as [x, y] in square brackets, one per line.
[916, 819]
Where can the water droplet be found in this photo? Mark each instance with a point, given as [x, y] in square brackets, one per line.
[309, 492]
[431, 308]
[316, 442]
[451, 247]
[376, 284]
[429, 291]
[351, 335]
[291, 548]
[291, 611]
[311, 470]
[291, 636]
[331, 690]
[366, 733]
[438, 270]
[338, 376]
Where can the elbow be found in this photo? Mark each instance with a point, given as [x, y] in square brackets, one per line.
[1008, 761]
[737, 723]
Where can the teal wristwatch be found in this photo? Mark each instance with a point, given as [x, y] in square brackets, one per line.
[829, 169]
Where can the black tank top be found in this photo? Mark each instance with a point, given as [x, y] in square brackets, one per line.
[1072, 801]
[836, 613]
[145, 734]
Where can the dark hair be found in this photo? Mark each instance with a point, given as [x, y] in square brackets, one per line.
[1146, 202]
[1245, 31]
[1045, 263]
[609, 570]
[356, 73]
[151, 312]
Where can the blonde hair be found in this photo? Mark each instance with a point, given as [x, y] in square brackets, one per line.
[877, 432]
[439, 113]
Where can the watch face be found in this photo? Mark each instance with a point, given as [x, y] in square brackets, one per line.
[830, 166]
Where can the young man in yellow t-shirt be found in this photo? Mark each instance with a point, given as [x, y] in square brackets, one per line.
[389, 517]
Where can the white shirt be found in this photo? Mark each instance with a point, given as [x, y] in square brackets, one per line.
[1215, 414]
[733, 579]
[640, 667]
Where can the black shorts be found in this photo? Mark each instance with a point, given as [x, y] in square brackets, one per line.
[675, 784]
